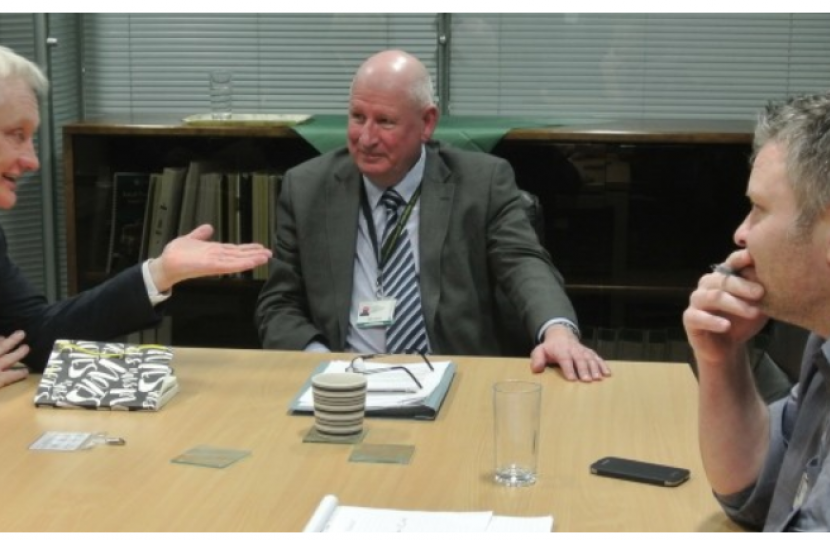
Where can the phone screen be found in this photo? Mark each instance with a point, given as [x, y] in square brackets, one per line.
[640, 471]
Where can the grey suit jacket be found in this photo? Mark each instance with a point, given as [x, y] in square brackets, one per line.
[473, 234]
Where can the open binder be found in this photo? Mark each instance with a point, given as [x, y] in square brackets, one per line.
[387, 396]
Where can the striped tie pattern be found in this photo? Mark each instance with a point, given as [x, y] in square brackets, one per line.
[400, 281]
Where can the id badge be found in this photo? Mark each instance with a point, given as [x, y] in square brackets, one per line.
[376, 313]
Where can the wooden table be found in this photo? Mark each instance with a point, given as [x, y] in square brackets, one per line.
[238, 399]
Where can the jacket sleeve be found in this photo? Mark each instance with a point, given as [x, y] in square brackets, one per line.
[283, 314]
[113, 308]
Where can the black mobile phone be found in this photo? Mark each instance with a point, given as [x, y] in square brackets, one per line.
[640, 471]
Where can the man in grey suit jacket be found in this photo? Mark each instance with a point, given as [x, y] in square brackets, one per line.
[467, 228]
[130, 301]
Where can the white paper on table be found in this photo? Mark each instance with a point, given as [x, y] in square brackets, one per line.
[330, 517]
[357, 519]
[510, 524]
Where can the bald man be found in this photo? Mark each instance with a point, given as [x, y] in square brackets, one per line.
[460, 216]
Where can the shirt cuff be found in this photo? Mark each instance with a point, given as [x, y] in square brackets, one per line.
[540, 337]
[316, 346]
[152, 291]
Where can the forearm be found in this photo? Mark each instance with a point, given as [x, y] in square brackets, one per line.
[733, 424]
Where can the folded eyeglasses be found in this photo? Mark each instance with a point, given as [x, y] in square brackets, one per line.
[358, 365]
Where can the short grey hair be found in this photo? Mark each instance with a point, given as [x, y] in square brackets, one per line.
[801, 125]
[421, 92]
[13, 66]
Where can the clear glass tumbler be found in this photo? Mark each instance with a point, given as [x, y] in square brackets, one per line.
[517, 407]
[221, 94]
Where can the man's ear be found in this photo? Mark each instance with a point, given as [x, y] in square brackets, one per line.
[430, 120]
[822, 233]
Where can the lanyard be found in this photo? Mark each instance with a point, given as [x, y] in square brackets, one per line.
[383, 253]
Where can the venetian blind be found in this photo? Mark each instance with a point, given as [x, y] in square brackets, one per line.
[583, 66]
[159, 63]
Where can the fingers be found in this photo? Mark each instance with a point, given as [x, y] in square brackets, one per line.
[735, 275]
[194, 256]
[12, 376]
[725, 310]
[229, 258]
[720, 296]
[699, 320]
[588, 365]
[12, 351]
[738, 261]
[720, 280]
[538, 361]
[576, 361]
[202, 232]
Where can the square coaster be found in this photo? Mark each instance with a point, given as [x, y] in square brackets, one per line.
[397, 454]
[314, 436]
[209, 456]
[62, 441]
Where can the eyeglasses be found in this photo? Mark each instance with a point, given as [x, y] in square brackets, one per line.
[357, 365]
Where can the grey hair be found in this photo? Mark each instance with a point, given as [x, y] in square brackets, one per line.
[14, 66]
[801, 125]
[421, 91]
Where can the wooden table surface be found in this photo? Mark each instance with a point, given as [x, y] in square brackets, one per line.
[238, 399]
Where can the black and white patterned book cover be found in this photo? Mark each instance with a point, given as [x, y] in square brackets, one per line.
[104, 375]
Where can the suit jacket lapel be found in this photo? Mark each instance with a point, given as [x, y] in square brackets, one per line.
[436, 204]
[341, 211]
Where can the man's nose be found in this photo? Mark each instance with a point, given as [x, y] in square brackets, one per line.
[368, 134]
[740, 233]
[28, 160]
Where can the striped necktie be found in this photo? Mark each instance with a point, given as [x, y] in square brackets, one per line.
[400, 281]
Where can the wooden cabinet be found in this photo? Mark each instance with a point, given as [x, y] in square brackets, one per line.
[635, 212]
[204, 312]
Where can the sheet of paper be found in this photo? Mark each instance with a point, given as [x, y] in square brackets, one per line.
[331, 517]
[510, 524]
[357, 519]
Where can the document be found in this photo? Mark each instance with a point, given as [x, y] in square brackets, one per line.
[330, 516]
[391, 390]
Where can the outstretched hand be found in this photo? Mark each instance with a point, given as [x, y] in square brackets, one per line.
[12, 352]
[194, 255]
[576, 361]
